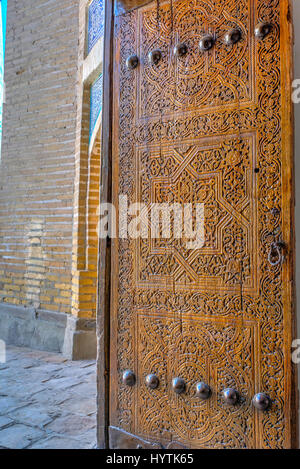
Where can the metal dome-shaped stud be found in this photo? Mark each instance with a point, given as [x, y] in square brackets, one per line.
[262, 30]
[232, 37]
[206, 42]
[203, 391]
[230, 396]
[178, 385]
[128, 378]
[152, 381]
[154, 57]
[180, 49]
[261, 401]
[132, 62]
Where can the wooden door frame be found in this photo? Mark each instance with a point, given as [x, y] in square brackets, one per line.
[104, 261]
[288, 214]
[104, 246]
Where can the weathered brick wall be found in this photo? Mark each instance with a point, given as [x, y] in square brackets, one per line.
[38, 165]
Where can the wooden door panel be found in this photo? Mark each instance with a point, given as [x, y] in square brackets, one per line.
[212, 128]
[216, 351]
[218, 172]
[223, 77]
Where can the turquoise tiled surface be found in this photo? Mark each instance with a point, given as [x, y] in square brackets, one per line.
[3, 8]
[96, 102]
[95, 22]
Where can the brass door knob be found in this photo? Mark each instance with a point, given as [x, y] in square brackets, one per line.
[129, 378]
[152, 381]
[178, 385]
[203, 391]
[206, 42]
[262, 30]
[180, 49]
[132, 62]
[154, 57]
[261, 401]
[230, 396]
[232, 37]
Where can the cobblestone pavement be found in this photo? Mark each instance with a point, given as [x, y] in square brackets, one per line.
[46, 401]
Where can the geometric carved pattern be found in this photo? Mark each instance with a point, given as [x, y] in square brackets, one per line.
[222, 76]
[208, 350]
[219, 174]
[207, 126]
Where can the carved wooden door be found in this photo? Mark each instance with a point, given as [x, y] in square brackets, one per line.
[207, 120]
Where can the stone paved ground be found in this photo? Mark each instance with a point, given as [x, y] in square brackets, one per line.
[46, 401]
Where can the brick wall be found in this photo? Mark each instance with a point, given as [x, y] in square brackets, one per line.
[86, 203]
[41, 131]
[86, 184]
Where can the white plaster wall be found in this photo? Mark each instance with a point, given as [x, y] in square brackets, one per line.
[296, 6]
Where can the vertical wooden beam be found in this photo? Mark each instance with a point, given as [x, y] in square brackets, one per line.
[288, 222]
[104, 262]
